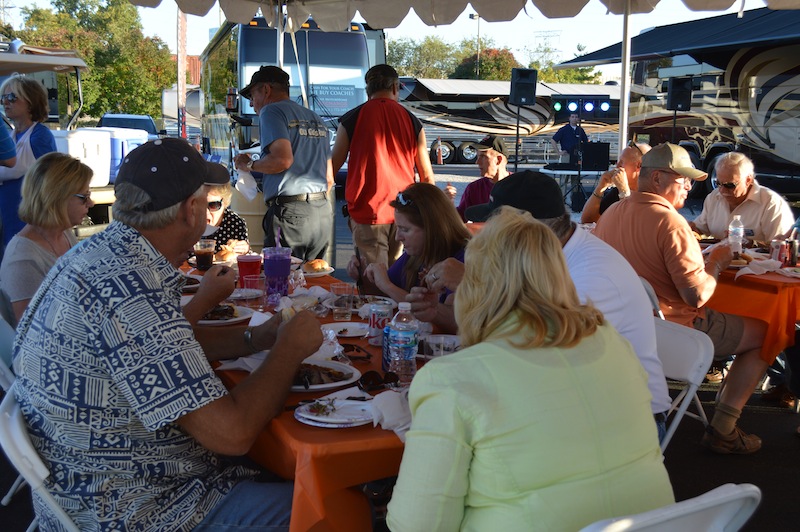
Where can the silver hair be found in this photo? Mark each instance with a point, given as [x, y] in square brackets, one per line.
[735, 160]
[129, 201]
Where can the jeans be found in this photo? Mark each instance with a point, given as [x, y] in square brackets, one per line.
[252, 506]
[661, 425]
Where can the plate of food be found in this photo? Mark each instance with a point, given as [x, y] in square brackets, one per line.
[347, 329]
[193, 261]
[360, 301]
[192, 283]
[743, 260]
[336, 411]
[324, 375]
[296, 262]
[317, 268]
[225, 314]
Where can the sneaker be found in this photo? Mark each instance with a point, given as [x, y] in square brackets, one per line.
[737, 442]
[714, 375]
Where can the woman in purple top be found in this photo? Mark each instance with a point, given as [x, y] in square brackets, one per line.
[430, 230]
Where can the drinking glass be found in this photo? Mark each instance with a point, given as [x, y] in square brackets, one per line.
[343, 301]
[248, 265]
[277, 264]
[204, 253]
[256, 286]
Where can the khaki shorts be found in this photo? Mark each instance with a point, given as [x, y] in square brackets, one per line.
[376, 243]
[725, 331]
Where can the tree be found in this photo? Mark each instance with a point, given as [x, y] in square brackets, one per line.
[430, 58]
[127, 71]
[495, 64]
[543, 58]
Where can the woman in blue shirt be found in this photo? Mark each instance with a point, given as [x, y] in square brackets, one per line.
[25, 103]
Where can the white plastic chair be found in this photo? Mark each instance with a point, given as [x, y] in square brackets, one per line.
[723, 509]
[6, 380]
[23, 456]
[685, 354]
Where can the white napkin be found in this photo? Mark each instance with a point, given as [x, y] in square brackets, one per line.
[390, 410]
[315, 291]
[330, 348]
[758, 267]
[246, 184]
[789, 272]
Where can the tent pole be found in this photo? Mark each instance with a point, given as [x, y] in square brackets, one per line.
[625, 77]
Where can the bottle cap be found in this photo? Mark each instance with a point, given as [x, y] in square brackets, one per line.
[404, 305]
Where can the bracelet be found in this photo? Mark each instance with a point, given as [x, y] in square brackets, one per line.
[596, 195]
[248, 339]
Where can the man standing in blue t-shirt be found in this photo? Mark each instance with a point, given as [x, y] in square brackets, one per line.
[570, 138]
[295, 166]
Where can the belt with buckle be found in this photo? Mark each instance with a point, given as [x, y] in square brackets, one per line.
[311, 196]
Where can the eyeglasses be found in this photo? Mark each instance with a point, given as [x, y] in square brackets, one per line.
[729, 186]
[404, 201]
[372, 381]
[633, 145]
[10, 98]
[83, 197]
[214, 206]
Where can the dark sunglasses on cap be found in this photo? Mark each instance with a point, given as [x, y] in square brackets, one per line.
[404, 201]
[729, 186]
[214, 206]
[632, 144]
[10, 98]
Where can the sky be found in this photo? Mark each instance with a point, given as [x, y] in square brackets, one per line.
[592, 27]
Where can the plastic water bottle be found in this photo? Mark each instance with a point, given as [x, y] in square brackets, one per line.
[403, 341]
[736, 234]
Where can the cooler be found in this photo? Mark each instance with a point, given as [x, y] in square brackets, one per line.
[123, 140]
[92, 147]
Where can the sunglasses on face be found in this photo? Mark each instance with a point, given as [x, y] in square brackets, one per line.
[10, 98]
[729, 186]
[214, 206]
[372, 381]
[83, 197]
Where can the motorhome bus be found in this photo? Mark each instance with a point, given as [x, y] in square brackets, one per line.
[326, 71]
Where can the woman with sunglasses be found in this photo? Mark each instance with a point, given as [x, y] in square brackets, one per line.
[55, 197]
[24, 102]
[231, 228]
[430, 229]
[543, 421]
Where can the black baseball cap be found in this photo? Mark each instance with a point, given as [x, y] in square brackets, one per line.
[169, 170]
[266, 74]
[491, 142]
[535, 192]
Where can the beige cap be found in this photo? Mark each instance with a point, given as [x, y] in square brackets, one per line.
[673, 158]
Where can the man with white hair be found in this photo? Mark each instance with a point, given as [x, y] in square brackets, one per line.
[765, 214]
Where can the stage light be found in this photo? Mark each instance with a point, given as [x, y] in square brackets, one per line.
[557, 106]
[588, 107]
[572, 107]
[605, 106]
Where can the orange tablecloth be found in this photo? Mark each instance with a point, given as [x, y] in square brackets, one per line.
[771, 297]
[327, 465]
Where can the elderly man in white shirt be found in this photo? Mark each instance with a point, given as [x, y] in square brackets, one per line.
[765, 214]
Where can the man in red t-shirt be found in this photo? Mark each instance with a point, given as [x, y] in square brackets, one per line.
[385, 143]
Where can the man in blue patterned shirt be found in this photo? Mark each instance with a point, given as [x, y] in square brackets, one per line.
[118, 393]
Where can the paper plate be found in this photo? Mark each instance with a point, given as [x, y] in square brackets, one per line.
[322, 273]
[347, 329]
[242, 314]
[324, 425]
[338, 366]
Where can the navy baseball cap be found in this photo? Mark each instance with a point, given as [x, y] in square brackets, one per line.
[535, 192]
[169, 170]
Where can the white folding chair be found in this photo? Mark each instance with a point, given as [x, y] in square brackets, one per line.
[685, 354]
[651, 294]
[723, 509]
[6, 380]
[22, 454]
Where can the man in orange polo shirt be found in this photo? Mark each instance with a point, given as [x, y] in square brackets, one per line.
[658, 242]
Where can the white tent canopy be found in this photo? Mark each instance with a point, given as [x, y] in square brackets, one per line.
[334, 15]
